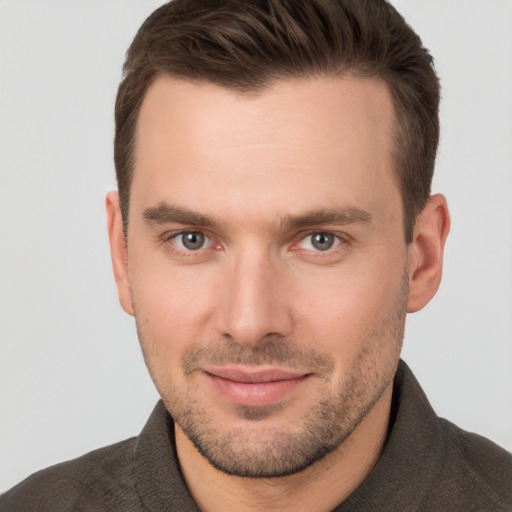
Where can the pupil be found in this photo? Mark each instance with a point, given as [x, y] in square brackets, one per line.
[322, 241]
[193, 241]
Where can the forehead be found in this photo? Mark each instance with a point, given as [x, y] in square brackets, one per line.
[324, 139]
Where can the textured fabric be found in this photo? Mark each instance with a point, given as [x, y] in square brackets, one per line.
[428, 464]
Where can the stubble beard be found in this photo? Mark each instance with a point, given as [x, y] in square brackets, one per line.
[262, 451]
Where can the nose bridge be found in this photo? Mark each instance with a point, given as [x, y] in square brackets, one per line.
[253, 307]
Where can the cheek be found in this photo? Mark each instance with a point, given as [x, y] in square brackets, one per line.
[173, 306]
[347, 311]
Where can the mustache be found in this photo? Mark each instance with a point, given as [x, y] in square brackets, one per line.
[269, 352]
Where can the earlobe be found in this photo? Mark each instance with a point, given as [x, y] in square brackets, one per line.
[426, 252]
[118, 250]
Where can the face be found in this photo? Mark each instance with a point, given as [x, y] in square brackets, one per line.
[266, 264]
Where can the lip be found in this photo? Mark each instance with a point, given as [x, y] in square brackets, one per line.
[255, 388]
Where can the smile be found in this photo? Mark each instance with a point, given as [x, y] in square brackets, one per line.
[255, 389]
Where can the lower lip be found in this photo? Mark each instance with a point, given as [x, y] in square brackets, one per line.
[255, 394]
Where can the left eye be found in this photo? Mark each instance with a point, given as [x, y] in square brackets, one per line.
[191, 240]
[319, 241]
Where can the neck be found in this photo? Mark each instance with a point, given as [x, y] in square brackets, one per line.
[322, 486]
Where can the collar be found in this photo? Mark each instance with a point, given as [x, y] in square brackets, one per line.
[412, 457]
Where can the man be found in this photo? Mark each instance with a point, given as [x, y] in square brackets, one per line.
[273, 227]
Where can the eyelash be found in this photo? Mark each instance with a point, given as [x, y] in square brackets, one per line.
[337, 240]
[168, 239]
[341, 241]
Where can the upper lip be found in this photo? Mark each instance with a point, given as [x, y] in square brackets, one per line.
[254, 376]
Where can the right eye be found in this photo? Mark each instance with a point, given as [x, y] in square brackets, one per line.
[191, 241]
[320, 241]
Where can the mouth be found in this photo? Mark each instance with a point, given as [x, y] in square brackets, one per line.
[255, 388]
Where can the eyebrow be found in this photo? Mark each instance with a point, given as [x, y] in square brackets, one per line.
[164, 213]
[315, 217]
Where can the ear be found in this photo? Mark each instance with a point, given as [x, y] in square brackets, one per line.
[425, 253]
[118, 250]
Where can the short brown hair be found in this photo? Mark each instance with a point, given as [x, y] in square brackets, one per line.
[245, 45]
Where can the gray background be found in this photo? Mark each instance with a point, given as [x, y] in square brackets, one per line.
[71, 374]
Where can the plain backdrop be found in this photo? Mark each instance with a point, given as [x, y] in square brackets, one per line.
[71, 374]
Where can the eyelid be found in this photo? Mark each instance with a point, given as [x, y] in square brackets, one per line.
[178, 240]
[169, 238]
[341, 239]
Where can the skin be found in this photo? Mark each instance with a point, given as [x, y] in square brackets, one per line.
[258, 175]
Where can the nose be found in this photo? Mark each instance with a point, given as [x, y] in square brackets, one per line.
[253, 303]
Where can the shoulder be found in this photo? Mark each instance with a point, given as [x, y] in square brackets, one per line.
[475, 471]
[100, 480]
[441, 466]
